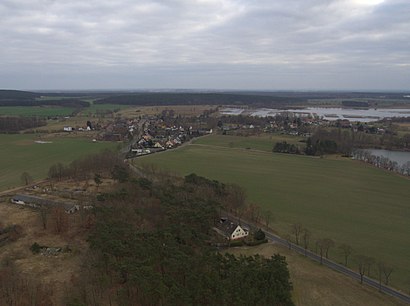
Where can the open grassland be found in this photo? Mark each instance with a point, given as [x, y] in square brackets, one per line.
[348, 201]
[262, 143]
[20, 153]
[102, 108]
[317, 285]
[39, 111]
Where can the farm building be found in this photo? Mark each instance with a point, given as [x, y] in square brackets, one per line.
[231, 230]
[67, 129]
[37, 202]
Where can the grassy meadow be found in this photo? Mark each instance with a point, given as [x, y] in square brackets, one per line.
[345, 200]
[101, 108]
[19, 153]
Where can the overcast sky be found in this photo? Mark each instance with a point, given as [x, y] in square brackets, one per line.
[221, 44]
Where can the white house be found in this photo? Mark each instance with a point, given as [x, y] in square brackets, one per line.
[67, 128]
[238, 233]
[231, 230]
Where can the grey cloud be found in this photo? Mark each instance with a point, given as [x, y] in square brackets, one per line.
[204, 43]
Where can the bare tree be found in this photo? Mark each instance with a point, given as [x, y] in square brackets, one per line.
[268, 217]
[320, 246]
[26, 178]
[328, 243]
[370, 262]
[387, 271]
[363, 265]
[288, 240]
[296, 230]
[380, 265]
[60, 219]
[306, 234]
[44, 216]
[347, 251]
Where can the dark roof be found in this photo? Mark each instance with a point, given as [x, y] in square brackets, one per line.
[226, 226]
[30, 199]
[33, 199]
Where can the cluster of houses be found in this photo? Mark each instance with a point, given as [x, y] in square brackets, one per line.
[38, 202]
[157, 136]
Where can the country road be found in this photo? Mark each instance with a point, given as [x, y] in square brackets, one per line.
[331, 264]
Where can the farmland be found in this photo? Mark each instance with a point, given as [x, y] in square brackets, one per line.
[20, 153]
[345, 200]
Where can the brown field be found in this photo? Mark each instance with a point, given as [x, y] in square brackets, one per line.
[58, 271]
[315, 285]
[184, 110]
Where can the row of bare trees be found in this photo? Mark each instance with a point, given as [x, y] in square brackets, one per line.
[303, 237]
[382, 162]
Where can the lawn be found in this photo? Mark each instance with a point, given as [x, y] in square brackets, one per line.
[345, 200]
[40, 111]
[19, 153]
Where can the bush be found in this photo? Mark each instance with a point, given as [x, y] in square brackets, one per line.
[259, 235]
[35, 248]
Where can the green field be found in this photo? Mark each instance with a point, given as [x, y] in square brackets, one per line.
[262, 143]
[40, 111]
[96, 108]
[19, 153]
[345, 200]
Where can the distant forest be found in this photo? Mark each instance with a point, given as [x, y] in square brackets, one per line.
[198, 99]
[253, 98]
[25, 98]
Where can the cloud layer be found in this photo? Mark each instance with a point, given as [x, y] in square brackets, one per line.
[243, 44]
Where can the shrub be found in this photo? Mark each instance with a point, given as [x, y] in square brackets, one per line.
[35, 248]
[259, 235]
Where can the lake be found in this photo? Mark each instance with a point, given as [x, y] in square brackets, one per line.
[331, 114]
[400, 157]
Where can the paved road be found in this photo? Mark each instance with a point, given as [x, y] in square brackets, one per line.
[335, 266]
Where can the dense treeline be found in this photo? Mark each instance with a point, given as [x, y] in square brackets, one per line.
[104, 163]
[346, 140]
[320, 146]
[355, 104]
[17, 94]
[198, 98]
[76, 103]
[284, 147]
[15, 124]
[151, 246]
